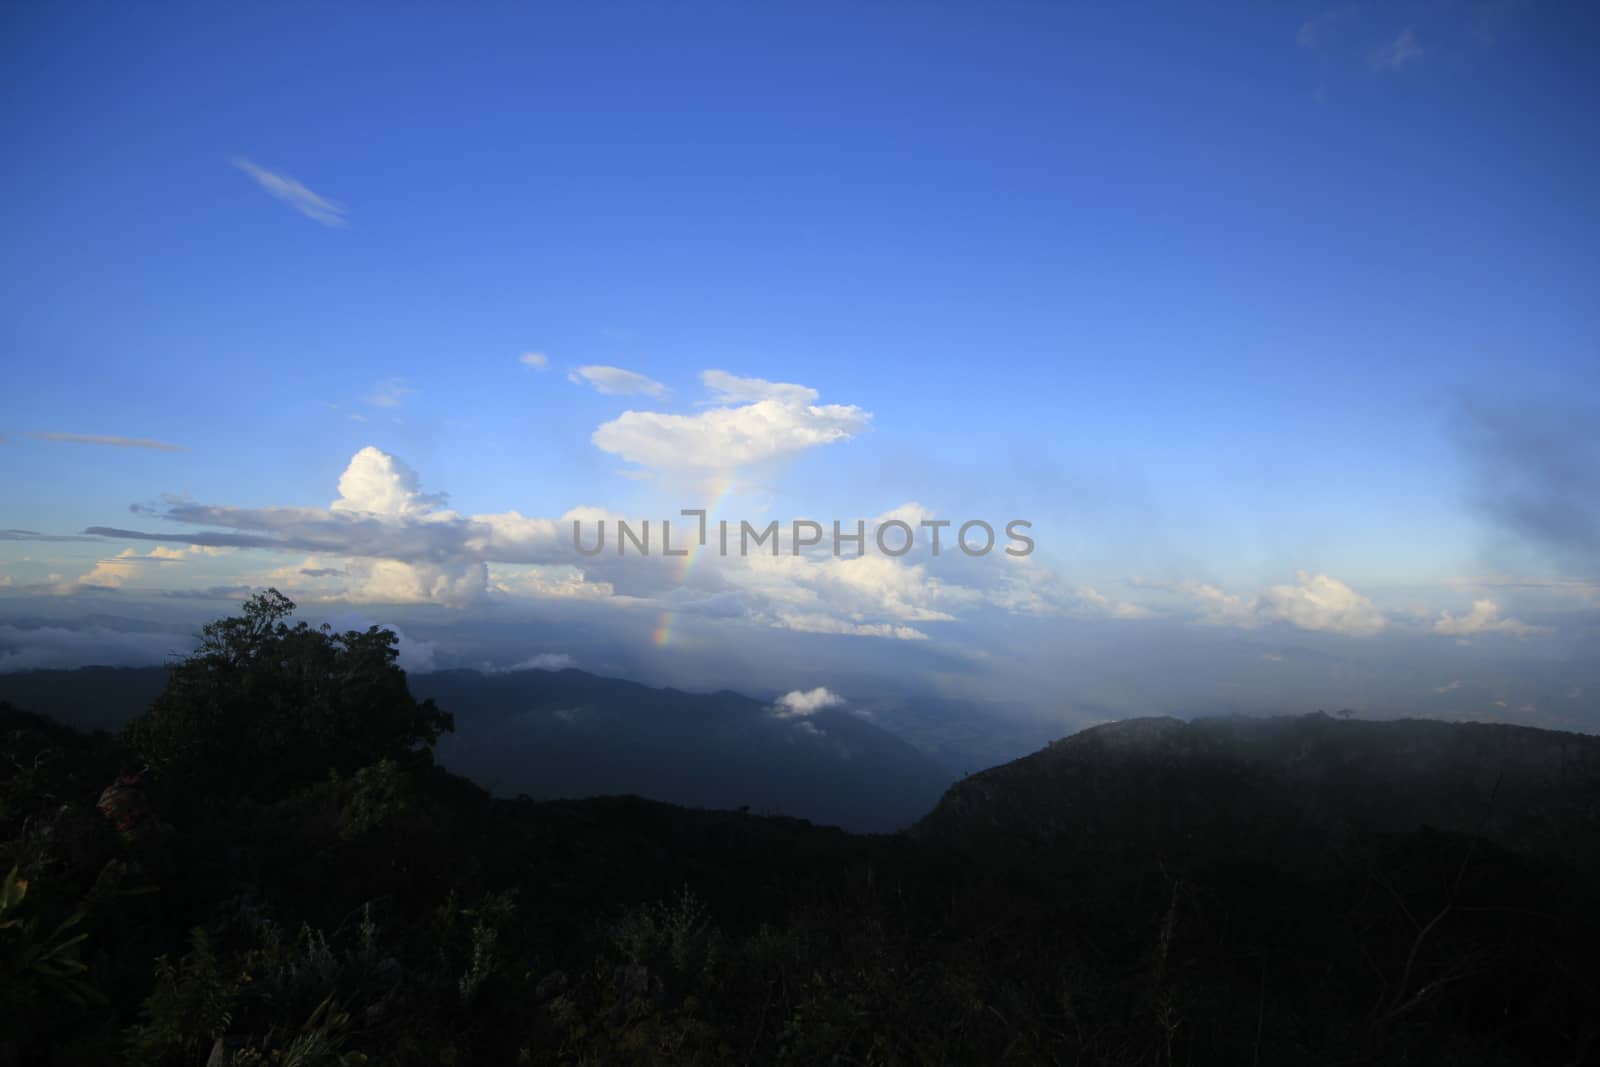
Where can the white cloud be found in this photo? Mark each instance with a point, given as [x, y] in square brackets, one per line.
[294, 194]
[812, 623]
[806, 702]
[1217, 606]
[542, 661]
[386, 540]
[110, 442]
[1315, 602]
[107, 573]
[1318, 602]
[536, 360]
[730, 389]
[114, 572]
[1484, 618]
[378, 483]
[614, 381]
[1392, 55]
[545, 661]
[564, 582]
[753, 421]
[1028, 588]
[390, 581]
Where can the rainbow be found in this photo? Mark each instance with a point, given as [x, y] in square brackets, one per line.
[716, 491]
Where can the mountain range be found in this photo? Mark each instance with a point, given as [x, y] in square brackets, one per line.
[1154, 891]
[569, 734]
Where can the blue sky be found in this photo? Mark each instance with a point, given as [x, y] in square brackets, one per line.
[1213, 297]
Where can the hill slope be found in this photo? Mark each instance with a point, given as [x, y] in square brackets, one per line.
[565, 734]
[1238, 785]
[1131, 896]
[569, 733]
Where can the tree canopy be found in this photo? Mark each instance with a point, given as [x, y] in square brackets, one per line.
[264, 705]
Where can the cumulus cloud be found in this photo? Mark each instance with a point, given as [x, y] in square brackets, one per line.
[390, 581]
[1318, 602]
[806, 702]
[750, 420]
[730, 389]
[115, 571]
[614, 381]
[107, 573]
[536, 360]
[1484, 618]
[294, 194]
[862, 586]
[386, 539]
[562, 581]
[109, 441]
[380, 484]
[1315, 602]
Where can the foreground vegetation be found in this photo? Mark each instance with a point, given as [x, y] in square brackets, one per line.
[279, 874]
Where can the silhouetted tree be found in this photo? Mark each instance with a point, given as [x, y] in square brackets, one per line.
[263, 706]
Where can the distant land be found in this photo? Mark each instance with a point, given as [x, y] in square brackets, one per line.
[571, 734]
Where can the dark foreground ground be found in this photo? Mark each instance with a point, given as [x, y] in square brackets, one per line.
[402, 915]
[267, 866]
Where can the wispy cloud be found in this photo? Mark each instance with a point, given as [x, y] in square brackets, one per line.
[1392, 55]
[294, 194]
[35, 535]
[389, 393]
[536, 360]
[544, 661]
[614, 381]
[112, 442]
[1534, 474]
[1322, 29]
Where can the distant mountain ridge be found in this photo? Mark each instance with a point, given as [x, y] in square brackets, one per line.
[1208, 784]
[569, 733]
[1150, 783]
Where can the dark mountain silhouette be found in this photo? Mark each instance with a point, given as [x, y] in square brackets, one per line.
[89, 698]
[1150, 892]
[568, 733]
[1239, 785]
[554, 734]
